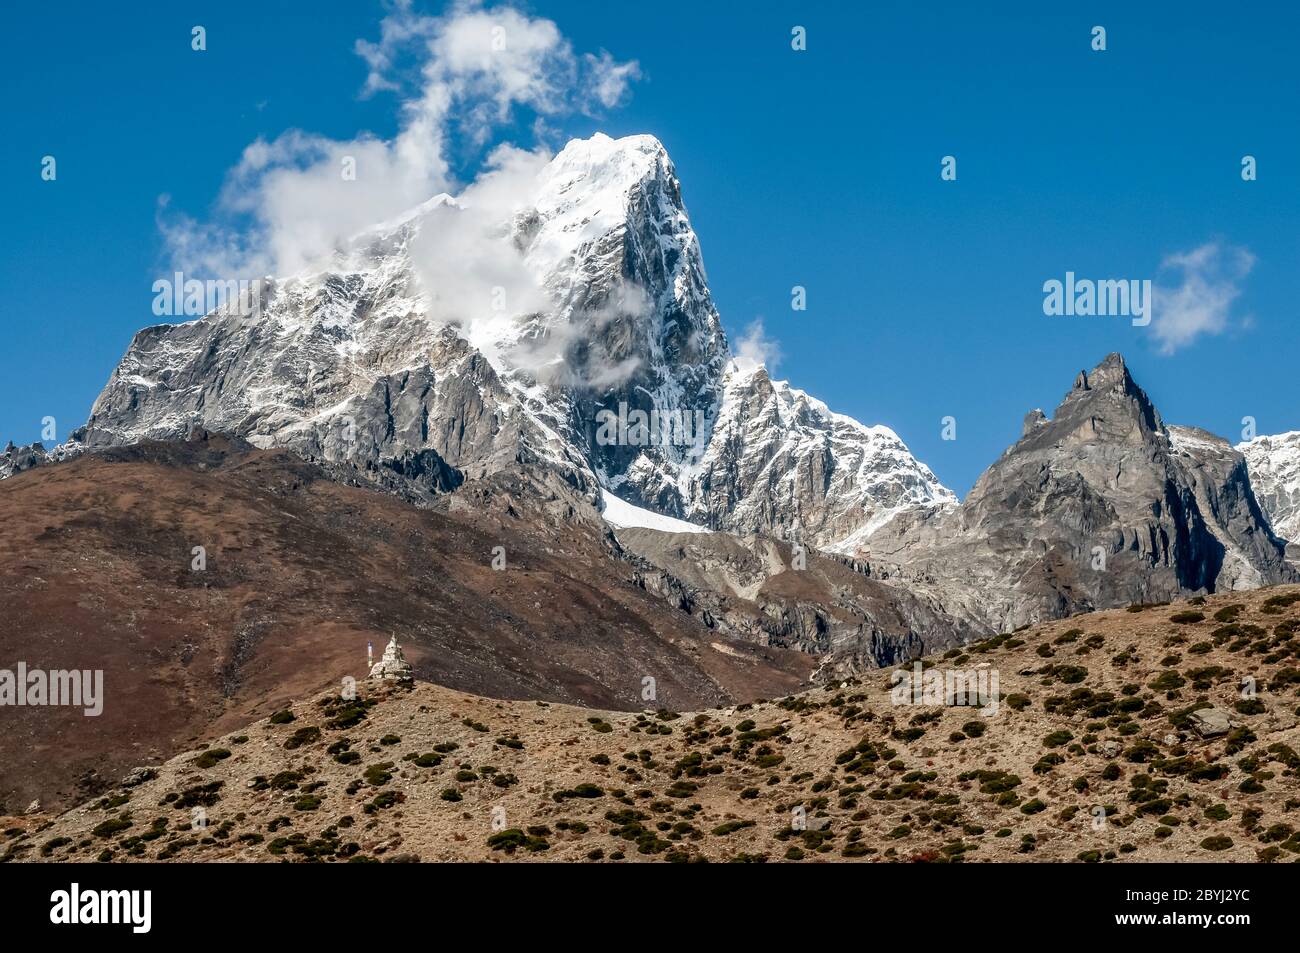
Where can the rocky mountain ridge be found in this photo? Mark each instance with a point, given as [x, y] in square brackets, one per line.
[1101, 505]
[371, 361]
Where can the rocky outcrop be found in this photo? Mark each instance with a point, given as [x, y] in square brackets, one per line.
[1100, 506]
[1211, 722]
[17, 459]
[769, 592]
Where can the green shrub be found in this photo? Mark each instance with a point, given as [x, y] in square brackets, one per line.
[112, 826]
[586, 791]
[730, 827]
[211, 758]
[1167, 681]
[303, 736]
[513, 839]
[50, 846]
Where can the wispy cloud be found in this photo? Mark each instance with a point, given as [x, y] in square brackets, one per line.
[754, 348]
[1207, 282]
[458, 77]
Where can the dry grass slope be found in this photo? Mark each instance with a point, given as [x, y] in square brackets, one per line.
[1094, 714]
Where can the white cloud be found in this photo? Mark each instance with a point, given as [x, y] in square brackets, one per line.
[1200, 302]
[466, 260]
[459, 77]
[755, 349]
[610, 78]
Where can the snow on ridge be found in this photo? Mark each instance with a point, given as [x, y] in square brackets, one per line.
[583, 193]
[1290, 438]
[410, 215]
[1273, 462]
[1194, 438]
[845, 433]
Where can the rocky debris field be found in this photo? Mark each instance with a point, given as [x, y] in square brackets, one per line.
[1157, 733]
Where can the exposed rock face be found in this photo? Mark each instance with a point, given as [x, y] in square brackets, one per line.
[393, 666]
[1274, 465]
[765, 591]
[138, 776]
[1217, 475]
[354, 364]
[781, 462]
[338, 368]
[1102, 505]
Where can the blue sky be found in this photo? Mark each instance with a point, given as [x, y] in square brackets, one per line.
[817, 168]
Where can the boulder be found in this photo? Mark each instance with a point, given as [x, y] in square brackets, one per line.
[139, 776]
[1210, 722]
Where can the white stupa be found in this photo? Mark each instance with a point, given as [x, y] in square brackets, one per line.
[393, 666]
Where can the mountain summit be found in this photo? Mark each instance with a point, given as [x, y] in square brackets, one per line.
[460, 340]
[1100, 505]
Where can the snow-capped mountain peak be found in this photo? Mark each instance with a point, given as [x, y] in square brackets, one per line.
[396, 357]
[583, 194]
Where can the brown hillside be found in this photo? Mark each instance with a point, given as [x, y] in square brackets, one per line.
[1094, 713]
[95, 573]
